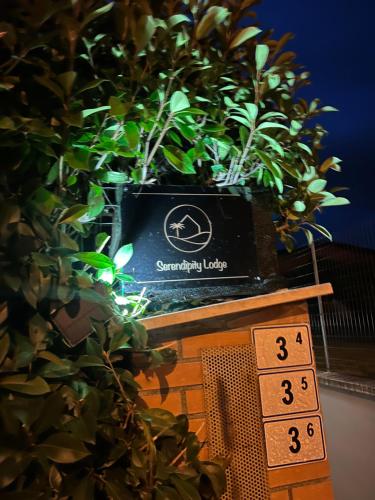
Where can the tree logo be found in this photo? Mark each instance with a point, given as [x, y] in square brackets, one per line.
[187, 228]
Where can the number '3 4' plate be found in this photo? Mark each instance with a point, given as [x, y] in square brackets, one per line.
[282, 346]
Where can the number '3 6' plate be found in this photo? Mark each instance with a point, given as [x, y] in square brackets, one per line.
[294, 441]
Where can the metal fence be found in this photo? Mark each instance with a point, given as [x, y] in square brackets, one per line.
[348, 315]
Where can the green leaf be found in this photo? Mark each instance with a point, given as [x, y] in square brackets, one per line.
[63, 448]
[52, 174]
[123, 255]
[299, 206]
[275, 145]
[117, 106]
[178, 159]
[317, 185]
[60, 370]
[125, 277]
[101, 239]
[71, 180]
[115, 177]
[252, 110]
[335, 202]
[309, 236]
[78, 160]
[333, 163]
[186, 490]
[273, 81]
[178, 102]
[261, 56]
[322, 230]
[279, 184]
[45, 201]
[49, 356]
[120, 340]
[92, 85]
[38, 330]
[68, 242]
[73, 118]
[214, 472]
[214, 16]
[11, 468]
[95, 200]
[177, 19]
[186, 131]
[50, 85]
[175, 137]
[271, 165]
[145, 28]
[66, 80]
[295, 127]
[96, 13]
[106, 275]
[244, 35]
[21, 383]
[139, 334]
[97, 260]
[305, 148]
[87, 360]
[271, 125]
[328, 109]
[242, 120]
[72, 214]
[88, 112]
[132, 134]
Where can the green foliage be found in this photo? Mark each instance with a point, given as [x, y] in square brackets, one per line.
[96, 93]
[142, 92]
[70, 426]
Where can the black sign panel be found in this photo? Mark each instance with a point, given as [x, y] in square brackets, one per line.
[189, 237]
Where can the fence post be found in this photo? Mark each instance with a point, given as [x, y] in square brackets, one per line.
[320, 307]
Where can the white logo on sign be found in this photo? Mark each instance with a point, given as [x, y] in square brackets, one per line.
[187, 228]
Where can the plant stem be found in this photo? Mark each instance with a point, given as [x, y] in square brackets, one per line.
[236, 171]
[116, 377]
[154, 127]
[116, 222]
[61, 171]
[116, 135]
[160, 138]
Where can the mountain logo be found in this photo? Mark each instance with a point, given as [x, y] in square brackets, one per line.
[187, 228]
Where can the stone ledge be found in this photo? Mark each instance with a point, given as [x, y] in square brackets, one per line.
[349, 383]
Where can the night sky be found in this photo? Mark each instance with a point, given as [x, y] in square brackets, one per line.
[334, 41]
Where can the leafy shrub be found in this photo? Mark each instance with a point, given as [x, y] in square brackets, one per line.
[169, 92]
[95, 94]
[69, 423]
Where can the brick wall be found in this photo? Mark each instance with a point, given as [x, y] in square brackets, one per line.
[180, 390]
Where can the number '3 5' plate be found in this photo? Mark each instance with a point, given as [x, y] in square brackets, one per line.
[289, 392]
[294, 441]
[282, 346]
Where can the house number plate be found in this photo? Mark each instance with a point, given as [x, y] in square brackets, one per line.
[288, 392]
[294, 441]
[282, 346]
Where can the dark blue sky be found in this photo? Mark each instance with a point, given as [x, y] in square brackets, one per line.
[333, 40]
